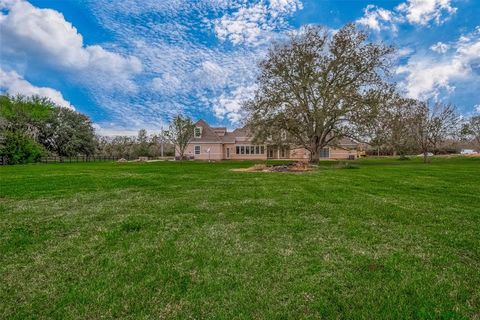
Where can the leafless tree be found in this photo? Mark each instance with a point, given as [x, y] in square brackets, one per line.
[432, 124]
[316, 85]
[471, 131]
[179, 133]
[398, 117]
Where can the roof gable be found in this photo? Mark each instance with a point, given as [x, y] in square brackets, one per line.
[208, 134]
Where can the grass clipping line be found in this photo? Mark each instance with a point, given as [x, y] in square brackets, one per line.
[297, 167]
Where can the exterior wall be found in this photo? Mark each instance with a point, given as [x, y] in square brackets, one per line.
[336, 153]
[216, 151]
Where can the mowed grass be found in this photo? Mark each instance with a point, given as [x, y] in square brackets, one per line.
[385, 239]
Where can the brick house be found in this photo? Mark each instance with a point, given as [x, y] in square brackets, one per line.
[216, 143]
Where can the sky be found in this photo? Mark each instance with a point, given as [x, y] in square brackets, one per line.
[134, 64]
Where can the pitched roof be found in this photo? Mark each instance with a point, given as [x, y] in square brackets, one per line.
[229, 137]
[208, 134]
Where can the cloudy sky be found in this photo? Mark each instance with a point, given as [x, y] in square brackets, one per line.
[133, 64]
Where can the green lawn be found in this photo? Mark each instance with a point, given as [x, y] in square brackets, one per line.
[384, 239]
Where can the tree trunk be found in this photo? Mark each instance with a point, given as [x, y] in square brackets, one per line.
[425, 156]
[314, 154]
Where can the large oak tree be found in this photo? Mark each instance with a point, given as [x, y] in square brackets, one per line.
[317, 87]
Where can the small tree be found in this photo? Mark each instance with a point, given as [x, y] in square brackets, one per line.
[432, 124]
[179, 133]
[317, 87]
[143, 143]
[471, 130]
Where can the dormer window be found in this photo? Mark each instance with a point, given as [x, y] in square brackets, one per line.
[197, 132]
[283, 135]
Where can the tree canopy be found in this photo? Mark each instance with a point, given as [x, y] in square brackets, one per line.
[32, 126]
[317, 87]
[179, 133]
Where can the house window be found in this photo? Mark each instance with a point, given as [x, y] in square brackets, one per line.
[262, 149]
[252, 149]
[257, 149]
[283, 135]
[238, 149]
[198, 132]
[325, 153]
[247, 150]
[197, 149]
[242, 150]
[284, 152]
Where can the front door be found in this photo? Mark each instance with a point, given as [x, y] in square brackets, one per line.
[228, 153]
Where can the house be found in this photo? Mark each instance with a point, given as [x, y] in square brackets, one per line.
[216, 143]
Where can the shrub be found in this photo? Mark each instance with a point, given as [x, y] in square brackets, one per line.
[19, 148]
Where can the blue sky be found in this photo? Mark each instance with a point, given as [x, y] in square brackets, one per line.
[133, 64]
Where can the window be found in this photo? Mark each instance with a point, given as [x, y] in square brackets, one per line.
[325, 153]
[283, 135]
[284, 152]
[250, 149]
[198, 132]
[197, 149]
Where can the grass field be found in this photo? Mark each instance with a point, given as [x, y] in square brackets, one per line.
[383, 239]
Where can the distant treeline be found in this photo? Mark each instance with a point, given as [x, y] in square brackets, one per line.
[34, 127]
[143, 145]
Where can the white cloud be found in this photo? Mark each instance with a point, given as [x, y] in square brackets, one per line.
[378, 18]
[440, 47]
[13, 84]
[427, 76]
[181, 71]
[477, 108]
[229, 105]
[249, 23]
[166, 84]
[211, 74]
[422, 12]
[404, 52]
[43, 37]
[415, 12]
